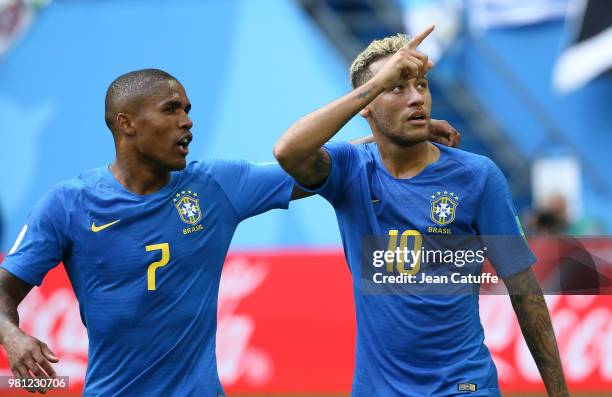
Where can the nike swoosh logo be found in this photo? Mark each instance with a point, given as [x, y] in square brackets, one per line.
[96, 229]
[375, 201]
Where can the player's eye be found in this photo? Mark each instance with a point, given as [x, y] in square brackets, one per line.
[397, 89]
[422, 85]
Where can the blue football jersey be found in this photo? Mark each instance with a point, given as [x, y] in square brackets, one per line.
[146, 268]
[421, 344]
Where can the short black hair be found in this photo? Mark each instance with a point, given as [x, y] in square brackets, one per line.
[129, 89]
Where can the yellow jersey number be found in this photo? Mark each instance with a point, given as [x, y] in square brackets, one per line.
[165, 258]
[417, 244]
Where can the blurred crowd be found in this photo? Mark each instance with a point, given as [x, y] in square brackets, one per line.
[552, 218]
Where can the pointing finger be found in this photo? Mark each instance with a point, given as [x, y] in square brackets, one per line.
[416, 40]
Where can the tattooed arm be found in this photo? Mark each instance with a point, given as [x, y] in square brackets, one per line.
[299, 151]
[534, 319]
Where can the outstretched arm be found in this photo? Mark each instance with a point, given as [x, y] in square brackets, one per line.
[534, 319]
[299, 151]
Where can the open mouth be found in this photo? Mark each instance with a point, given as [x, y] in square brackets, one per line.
[183, 145]
[417, 118]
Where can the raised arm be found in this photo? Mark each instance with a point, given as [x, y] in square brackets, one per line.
[534, 319]
[299, 151]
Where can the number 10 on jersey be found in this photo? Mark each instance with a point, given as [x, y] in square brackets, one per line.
[402, 251]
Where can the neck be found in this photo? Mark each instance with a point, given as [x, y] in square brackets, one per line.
[404, 162]
[139, 177]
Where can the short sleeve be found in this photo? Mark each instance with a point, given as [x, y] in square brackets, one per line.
[253, 188]
[499, 227]
[342, 156]
[41, 244]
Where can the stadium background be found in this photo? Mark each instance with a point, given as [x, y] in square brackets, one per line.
[251, 68]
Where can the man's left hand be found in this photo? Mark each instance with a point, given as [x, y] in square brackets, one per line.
[442, 132]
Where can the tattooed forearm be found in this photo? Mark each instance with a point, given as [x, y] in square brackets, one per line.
[534, 319]
[363, 94]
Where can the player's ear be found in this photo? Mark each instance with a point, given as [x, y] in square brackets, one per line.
[124, 124]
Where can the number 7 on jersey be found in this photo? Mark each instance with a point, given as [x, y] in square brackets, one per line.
[165, 258]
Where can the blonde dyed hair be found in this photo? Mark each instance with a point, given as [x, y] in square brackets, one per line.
[378, 49]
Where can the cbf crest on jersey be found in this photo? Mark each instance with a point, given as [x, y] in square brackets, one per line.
[188, 206]
[443, 207]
